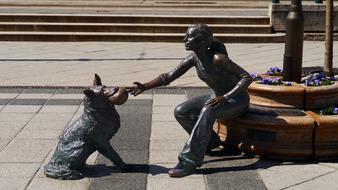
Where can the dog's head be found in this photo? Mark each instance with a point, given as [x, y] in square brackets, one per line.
[100, 96]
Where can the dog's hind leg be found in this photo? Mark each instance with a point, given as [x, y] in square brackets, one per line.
[59, 172]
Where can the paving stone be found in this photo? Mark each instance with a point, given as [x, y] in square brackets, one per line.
[52, 117]
[39, 91]
[11, 90]
[46, 125]
[34, 96]
[21, 109]
[20, 117]
[168, 100]
[68, 96]
[71, 90]
[10, 129]
[166, 145]
[4, 102]
[28, 102]
[67, 102]
[92, 158]
[176, 91]
[166, 124]
[58, 109]
[13, 170]
[39, 134]
[332, 164]
[26, 150]
[291, 174]
[8, 95]
[141, 96]
[163, 157]
[52, 184]
[15, 183]
[157, 183]
[164, 109]
[328, 181]
[163, 117]
[169, 133]
[3, 142]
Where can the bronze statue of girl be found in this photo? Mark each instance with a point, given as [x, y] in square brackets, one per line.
[197, 116]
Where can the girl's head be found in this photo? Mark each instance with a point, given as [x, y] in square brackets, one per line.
[200, 35]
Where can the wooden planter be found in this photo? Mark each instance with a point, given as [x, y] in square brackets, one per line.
[284, 134]
[277, 96]
[321, 96]
[326, 136]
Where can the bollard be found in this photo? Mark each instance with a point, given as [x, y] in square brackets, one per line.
[293, 56]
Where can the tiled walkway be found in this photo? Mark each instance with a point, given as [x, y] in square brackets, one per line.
[32, 119]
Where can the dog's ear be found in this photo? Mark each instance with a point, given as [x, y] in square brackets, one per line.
[97, 80]
[89, 93]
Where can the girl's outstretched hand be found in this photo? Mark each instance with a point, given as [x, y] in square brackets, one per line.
[136, 89]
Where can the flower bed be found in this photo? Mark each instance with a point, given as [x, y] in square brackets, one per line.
[317, 97]
[276, 125]
[318, 79]
[277, 96]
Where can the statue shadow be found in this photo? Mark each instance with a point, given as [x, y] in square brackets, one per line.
[102, 170]
[228, 160]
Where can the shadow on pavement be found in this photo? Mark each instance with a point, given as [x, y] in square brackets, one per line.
[102, 170]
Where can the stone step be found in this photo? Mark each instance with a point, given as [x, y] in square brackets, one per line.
[141, 37]
[136, 4]
[137, 11]
[126, 27]
[159, 19]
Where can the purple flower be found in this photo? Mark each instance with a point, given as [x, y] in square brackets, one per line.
[332, 78]
[317, 82]
[335, 110]
[274, 71]
[331, 110]
[253, 75]
[266, 81]
[319, 79]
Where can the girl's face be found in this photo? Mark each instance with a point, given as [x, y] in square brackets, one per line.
[193, 39]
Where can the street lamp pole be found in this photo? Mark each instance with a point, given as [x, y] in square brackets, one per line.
[293, 55]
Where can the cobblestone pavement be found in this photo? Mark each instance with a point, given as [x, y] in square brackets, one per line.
[31, 120]
[32, 117]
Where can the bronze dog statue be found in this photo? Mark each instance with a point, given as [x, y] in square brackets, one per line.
[89, 133]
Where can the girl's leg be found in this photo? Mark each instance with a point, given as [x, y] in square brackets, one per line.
[187, 114]
[193, 152]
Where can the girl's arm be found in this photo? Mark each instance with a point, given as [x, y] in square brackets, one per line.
[164, 78]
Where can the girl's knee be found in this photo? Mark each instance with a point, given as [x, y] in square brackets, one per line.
[180, 111]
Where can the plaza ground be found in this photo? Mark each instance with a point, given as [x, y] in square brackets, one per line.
[40, 94]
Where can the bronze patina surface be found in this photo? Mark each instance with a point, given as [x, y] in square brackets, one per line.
[91, 132]
[229, 83]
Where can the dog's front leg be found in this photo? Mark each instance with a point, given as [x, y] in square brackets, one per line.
[107, 150]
